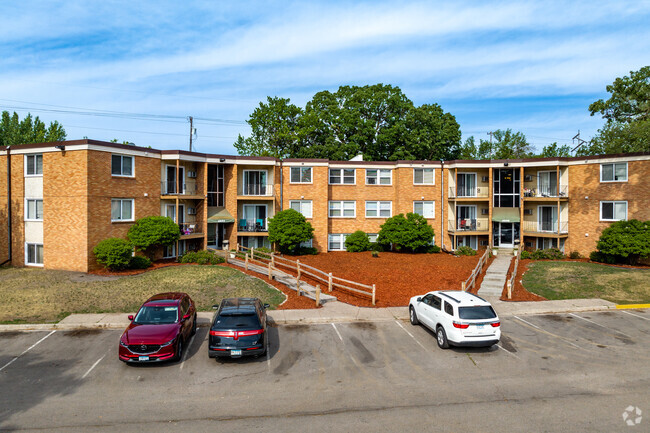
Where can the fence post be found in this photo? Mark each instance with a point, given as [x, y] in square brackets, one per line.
[252, 253]
[509, 289]
[462, 286]
[329, 282]
[374, 289]
[273, 259]
[225, 256]
[246, 262]
[298, 267]
[237, 248]
[270, 272]
[299, 289]
[317, 295]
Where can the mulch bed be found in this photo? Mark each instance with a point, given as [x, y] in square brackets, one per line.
[397, 276]
[155, 265]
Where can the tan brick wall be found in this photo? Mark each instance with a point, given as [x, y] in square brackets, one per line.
[584, 213]
[17, 209]
[4, 251]
[230, 200]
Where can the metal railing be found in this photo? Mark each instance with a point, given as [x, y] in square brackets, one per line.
[469, 225]
[252, 225]
[547, 191]
[170, 187]
[189, 228]
[462, 192]
[256, 189]
[545, 227]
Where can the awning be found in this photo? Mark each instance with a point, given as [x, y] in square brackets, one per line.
[219, 215]
[506, 214]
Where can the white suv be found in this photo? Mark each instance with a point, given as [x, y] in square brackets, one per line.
[458, 318]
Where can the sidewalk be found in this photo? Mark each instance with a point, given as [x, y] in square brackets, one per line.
[331, 312]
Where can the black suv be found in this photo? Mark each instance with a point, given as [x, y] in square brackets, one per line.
[238, 328]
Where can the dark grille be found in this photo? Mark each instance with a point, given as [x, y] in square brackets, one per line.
[144, 348]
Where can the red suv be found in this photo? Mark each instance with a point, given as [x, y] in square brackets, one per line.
[160, 329]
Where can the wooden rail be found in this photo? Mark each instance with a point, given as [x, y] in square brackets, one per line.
[469, 283]
[511, 281]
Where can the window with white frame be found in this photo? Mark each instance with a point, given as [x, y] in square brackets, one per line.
[307, 244]
[342, 209]
[423, 176]
[372, 237]
[336, 241]
[34, 209]
[302, 206]
[613, 210]
[379, 209]
[300, 174]
[34, 165]
[615, 172]
[34, 254]
[342, 176]
[424, 208]
[375, 176]
[122, 165]
[122, 209]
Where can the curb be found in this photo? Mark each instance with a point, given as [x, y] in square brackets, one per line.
[558, 311]
[631, 306]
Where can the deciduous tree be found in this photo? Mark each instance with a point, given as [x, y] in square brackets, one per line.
[14, 131]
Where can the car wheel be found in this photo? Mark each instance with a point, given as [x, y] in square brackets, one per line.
[441, 337]
[179, 350]
[194, 326]
[413, 316]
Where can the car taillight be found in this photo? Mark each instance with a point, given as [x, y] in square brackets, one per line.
[236, 334]
[495, 324]
[461, 325]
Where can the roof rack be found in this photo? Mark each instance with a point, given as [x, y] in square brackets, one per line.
[450, 297]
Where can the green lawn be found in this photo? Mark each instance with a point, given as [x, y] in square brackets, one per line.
[571, 280]
[36, 295]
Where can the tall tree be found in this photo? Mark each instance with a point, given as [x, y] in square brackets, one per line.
[553, 150]
[629, 100]
[14, 132]
[503, 145]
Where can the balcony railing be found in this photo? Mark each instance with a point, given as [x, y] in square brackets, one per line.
[561, 191]
[461, 192]
[170, 187]
[189, 228]
[469, 225]
[256, 189]
[252, 225]
[546, 227]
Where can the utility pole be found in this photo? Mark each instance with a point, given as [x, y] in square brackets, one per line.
[580, 141]
[191, 131]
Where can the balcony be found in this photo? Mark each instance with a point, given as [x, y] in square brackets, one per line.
[171, 188]
[469, 225]
[252, 226]
[469, 192]
[546, 192]
[256, 190]
[546, 227]
[190, 230]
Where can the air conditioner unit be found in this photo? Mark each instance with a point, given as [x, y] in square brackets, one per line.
[485, 178]
[191, 174]
[528, 178]
[485, 211]
[191, 211]
[528, 211]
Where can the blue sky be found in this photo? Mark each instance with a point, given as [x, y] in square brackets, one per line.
[530, 66]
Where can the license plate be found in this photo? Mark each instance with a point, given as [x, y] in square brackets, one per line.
[143, 358]
[480, 327]
[235, 353]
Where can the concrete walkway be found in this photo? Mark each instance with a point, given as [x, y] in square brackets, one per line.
[495, 276]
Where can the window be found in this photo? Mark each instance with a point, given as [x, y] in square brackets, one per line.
[344, 176]
[34, 209]
[121, 165]
[449, 309]
[336, 241]
[379, 209]
[122, 209]
[613, 210]
[33, 165]
[379, 177]
[307, 244]
[373, 237]
[302, 206]
[613, 172]
[300, 174]
[34, 254]
[424, 208]
[423, 176]
[435, 302]
[342, 209]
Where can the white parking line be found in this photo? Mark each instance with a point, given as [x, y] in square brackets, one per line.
[93, 366]
[268, 359]
[598, 324]
[337, 332]
[635, 315]
[411, 335]
[507, 351]
[187, 349]
[564, 339]
[528, 323]
[26, 350]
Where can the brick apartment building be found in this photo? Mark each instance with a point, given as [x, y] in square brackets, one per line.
[66, 197]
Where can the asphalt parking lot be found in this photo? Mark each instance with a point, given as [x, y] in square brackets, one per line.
[566, 372]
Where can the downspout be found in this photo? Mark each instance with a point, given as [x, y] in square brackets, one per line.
[442, 205]
[8, 148]
[281, 185]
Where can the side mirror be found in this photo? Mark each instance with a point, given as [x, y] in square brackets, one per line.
[130, 317]
[215, 307]
[419, 299]
[267, 306]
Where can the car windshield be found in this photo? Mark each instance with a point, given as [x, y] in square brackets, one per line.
[469, 313]
[157, 315]
[230, 321]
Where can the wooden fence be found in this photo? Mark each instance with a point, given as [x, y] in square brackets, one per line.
[469, 283]
[510, 283]
[272, 262]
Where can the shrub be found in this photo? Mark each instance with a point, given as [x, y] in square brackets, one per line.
[357, 242]
[376, 246]
[139, 262]
[203, 257]
[374, 254]
[465, 251]
[575, 255]
[287, 229]
[263, 250]
[306, 251]
[153, 232]
[547, 254]
[411, 233]
[113, 253]
[525, 255]
[433, 249]
[626, 241]
[597, 256]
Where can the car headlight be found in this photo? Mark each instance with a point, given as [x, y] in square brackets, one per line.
[168, 343]
[123, 344]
